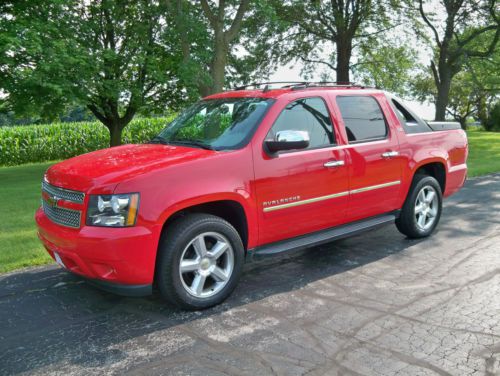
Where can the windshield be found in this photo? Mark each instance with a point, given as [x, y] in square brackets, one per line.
[216, 124]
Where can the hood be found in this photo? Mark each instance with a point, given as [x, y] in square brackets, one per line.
[108, 167]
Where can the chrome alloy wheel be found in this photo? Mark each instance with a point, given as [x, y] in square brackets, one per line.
[206, 264]
[426, 208]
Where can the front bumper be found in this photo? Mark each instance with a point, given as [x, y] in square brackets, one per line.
[113, 258]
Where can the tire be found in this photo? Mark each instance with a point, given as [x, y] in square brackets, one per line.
[418, 205]
[212, 256]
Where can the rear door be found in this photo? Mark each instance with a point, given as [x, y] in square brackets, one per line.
[373, 155]
[301, 191]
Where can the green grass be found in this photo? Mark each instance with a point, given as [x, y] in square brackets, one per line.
[19, 199]
[484, 152]
[20, 196]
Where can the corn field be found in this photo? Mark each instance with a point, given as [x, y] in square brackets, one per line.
[49, 142]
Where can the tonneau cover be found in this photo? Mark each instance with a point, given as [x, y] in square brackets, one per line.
[443, 125]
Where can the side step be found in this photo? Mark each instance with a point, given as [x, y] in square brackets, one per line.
[320, 237]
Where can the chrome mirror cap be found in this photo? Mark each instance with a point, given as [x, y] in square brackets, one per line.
[288, 140]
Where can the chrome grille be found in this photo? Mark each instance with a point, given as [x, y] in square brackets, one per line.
[62, 216]
[65, 194]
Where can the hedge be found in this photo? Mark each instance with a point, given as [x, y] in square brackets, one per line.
[49, 142]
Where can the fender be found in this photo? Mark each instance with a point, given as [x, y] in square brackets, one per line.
[414, 164]
[240, 196]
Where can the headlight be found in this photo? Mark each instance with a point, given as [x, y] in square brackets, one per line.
[112, 210]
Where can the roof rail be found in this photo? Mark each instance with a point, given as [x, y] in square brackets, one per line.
[298, 85]
[258, 84]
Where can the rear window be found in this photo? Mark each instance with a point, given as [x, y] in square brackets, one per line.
[410, 122]
[363, 118]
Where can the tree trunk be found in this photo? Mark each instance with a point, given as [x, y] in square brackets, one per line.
[463, 123]
[443, 88]
[218, 64]
[344, 51]
[482, 111]
[115, 134]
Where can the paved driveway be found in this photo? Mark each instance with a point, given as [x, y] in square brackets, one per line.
[375, 304]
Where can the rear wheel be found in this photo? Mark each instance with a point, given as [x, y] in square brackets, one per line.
[422, 209]
[200, 261]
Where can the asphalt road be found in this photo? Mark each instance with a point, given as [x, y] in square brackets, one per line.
[375, 304]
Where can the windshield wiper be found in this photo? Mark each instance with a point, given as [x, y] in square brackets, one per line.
[195, 143]
[158, 140]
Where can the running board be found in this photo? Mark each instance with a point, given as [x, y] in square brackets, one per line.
[320, 237]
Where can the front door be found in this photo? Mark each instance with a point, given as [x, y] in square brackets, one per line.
[301, 191]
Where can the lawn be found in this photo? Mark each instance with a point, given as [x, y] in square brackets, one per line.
[20, 196]
[484, 152]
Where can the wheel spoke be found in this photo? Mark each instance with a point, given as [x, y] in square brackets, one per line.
[432, 212]
[189, 266]
[430, 197]
[421, 196]
[419, 208]
[218, 249]
[421, 220]
[198, 284]
[199, 246]
[219, 275]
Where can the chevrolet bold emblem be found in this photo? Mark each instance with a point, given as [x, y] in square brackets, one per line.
[52, 201]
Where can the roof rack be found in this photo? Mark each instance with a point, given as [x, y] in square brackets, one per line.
[258, 84]
[298, 85]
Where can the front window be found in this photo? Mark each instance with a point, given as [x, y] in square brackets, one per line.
[306, 114]
[218, 124]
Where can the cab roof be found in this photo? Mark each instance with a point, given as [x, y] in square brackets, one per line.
[266, 89]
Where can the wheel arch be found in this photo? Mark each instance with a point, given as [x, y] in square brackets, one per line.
[434, 168]
[230, 208]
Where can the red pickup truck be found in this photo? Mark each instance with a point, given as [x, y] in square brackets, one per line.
[247, 173]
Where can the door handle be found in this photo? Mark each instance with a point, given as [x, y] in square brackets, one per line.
[390, 154]
[334, 163]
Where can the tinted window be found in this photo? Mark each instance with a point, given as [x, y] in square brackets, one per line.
[308, 114]
[362, 117]
[410, 122]
[404, 116]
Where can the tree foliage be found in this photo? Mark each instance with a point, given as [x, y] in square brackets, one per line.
[104, 54]
[473, 91]
[336, 34]
[118, 58]
[454, 37]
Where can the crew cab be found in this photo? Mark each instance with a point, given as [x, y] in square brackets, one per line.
[243, 174]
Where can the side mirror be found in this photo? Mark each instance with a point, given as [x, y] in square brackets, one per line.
[288, 140]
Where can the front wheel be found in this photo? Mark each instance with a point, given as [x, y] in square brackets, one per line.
[200, 261]
[422, 209]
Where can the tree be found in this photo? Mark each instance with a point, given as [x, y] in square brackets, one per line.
[336, 28]
[453, 38]
[485, 81]
[208, 32]
[218, 17]
[222, 42]
[114, 57]
[463, 99]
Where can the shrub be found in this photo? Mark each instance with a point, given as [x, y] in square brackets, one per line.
[48, 142]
